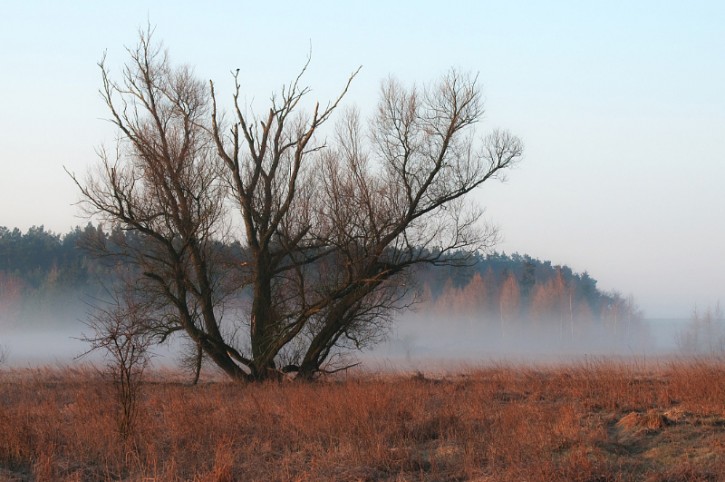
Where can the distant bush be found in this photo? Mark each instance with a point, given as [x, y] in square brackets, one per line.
[704, 334]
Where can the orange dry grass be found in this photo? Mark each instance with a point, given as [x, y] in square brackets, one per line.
[595, 421]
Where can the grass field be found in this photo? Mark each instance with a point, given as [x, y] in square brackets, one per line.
[588, 421]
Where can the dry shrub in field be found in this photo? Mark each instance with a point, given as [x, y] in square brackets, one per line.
[56, 423]
[652, 420]
[698, 382]
[119, 330]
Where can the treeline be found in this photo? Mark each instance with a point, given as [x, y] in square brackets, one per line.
[517, 293]
[44, 275]
[43, 268]
[39, 258]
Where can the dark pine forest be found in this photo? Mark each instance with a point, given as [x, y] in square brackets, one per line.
[47, 273]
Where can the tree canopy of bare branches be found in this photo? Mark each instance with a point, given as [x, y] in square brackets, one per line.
[328, 219]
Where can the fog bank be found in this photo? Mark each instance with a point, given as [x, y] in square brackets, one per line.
[418, 339]
[415, 341]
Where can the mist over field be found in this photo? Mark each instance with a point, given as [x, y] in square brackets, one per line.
[420, 338]
[417, 339]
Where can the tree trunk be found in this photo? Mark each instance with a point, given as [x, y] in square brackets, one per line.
[262, 321]
[197, 363]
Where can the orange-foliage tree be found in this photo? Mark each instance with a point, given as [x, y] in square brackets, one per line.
[534, 296]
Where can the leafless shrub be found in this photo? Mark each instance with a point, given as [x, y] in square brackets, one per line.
[119, 330]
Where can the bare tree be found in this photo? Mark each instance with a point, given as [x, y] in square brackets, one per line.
[704, 334]
[509, 301]
[330, 227]
[329, 263]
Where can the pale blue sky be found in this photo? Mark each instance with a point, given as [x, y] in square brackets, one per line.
[621, 106]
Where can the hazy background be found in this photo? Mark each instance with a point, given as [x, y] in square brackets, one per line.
[621, 106]
[418, 340]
